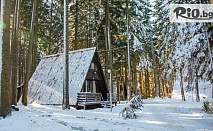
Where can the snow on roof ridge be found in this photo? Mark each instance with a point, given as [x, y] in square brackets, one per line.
[70, 52]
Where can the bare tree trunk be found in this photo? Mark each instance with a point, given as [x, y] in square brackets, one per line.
[142, 82]
[106, 65]
[126, 80]
[139, 81]
[29, 55]
[170, 84]
[181, 84]
[118, 86]
[147, 85]
[134, 75]
[35, 56]
[123, 81]
[152, 85]
[20, 63]
[197, 88]
[165, 89]
[157, 86]
[22, 57]
[5, 85]
[129, 86]
[14, 52]
[110, 50]
[87, 30]
[65, 104]
[89, 24]
[108, 43]
[106, 46]
[121, 84]
[50, 33]
[76, 25]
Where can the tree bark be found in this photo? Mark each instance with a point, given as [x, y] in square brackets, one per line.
[35, 47]
[88, 26]
[35, 56]
[110, 51]
[181, 84]
[139, 79]
[134, 63]
[65, 104]
[106, 46]
[129, 85]
[14, 52]
[165, 89]
[157, 86]
[76, 26]
[126, 80]
[197, 88]
[50, 33]
[29, 55]
[5, 86]
[142, 82]
[147, 85]
[118, 85]
[123, 80]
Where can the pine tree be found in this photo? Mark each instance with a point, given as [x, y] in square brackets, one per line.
[142, 37]
[188, 38]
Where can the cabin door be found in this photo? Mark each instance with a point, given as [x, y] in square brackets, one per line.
[89, 86]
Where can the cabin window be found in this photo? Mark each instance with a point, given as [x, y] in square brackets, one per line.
[92, 66]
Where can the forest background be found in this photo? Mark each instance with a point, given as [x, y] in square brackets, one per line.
[159, 52]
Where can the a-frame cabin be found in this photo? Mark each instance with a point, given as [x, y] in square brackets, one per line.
[85, 75]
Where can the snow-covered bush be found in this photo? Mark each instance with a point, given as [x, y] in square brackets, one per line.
[129, 109]
[208, 107]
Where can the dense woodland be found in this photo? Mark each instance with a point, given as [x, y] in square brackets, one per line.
[160, 52]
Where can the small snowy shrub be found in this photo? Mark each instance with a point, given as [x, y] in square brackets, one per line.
[207, 107]
[129, 109]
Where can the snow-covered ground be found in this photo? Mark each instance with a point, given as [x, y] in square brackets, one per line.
[157, 114]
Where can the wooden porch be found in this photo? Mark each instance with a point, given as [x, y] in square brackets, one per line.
[88, 100]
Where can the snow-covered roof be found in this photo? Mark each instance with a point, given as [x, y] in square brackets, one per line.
[46, 84]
